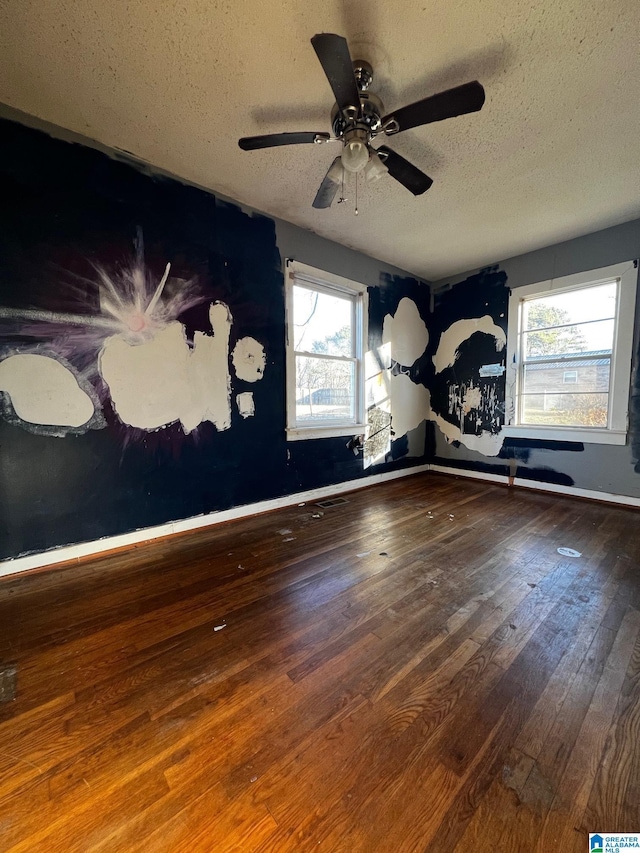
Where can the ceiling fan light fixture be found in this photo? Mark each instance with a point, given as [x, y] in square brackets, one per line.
[375, 168]
[358, 117]
[355, 154]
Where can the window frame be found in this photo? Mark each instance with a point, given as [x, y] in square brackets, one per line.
[325, 282]
[616, 430]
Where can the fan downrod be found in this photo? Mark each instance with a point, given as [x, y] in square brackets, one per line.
[363, 73]
[371, 108]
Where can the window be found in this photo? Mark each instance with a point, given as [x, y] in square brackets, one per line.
[326, 337]
[575, 331]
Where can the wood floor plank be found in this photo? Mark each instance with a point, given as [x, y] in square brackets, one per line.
[613, 800]
[565, 817]
[417, 669]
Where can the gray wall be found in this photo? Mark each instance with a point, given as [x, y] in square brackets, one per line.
[605, 468]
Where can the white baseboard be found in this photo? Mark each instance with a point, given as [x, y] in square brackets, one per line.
[148, 534]
[574, 491]
[472, 475]
[571, 491]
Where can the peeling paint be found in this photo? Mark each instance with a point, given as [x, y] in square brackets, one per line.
[472, 399]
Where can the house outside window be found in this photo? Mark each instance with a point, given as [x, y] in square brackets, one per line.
[569, 356]
[326, 321]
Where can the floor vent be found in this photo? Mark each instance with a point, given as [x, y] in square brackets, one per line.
[332, 502]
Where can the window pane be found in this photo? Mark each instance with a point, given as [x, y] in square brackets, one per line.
[325, 389]
[588, 376]
[596, 338]
[588, 410]
[577, 306]
[322, 322]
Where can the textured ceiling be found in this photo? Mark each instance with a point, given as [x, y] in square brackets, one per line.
[552, 155]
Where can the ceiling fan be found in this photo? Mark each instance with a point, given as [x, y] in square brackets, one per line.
[358, 117]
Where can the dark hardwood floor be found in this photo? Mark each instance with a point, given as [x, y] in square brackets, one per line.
[418, 669]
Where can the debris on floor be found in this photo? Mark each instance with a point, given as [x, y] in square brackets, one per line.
[284, 531]
[569, 552]
[383, 554]
[363, 554]
[219, 627]
[317, 515]
[8, 682]
[289, 539]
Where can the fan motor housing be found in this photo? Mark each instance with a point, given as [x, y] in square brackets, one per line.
[370, 118]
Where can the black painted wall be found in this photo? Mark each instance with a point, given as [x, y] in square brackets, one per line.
[65, 208]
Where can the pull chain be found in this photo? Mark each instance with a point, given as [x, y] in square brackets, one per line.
[356, 193]
[342, 198]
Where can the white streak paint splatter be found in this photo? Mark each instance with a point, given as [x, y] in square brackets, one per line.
[249, 359]
[461, 331]
[406, 333]
[246, 406]
[45, 392]
[164, 380]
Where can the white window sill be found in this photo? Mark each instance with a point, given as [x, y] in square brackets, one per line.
[579, 434]
[333, 431]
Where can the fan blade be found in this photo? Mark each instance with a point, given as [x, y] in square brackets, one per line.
[467, 98]
[329, 186]
[251, 143]
[405, 172]
[334, 56]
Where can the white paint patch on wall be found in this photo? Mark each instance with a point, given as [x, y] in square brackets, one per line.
[249, 359]
[461, 331]
[44, 392]
[406, 333]
[486, 443]
[164, 380]
[245, 403]
[209, 379]
[491, 370]
[410, 404]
